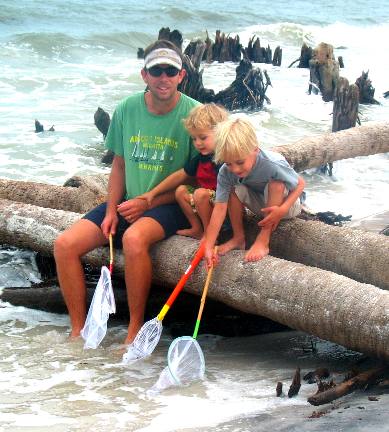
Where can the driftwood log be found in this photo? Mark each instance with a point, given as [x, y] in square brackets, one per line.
[360, 255]
[323, 303]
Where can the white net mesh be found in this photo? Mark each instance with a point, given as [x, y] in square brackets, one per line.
[103, 304]
[145, 341]
[165, 381]
[186, 360]
[185, 365]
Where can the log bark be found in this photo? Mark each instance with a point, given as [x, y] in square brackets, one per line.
[316, 301]
[85, 193]
[311, 152]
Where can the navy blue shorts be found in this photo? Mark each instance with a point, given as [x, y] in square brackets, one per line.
[169, 216]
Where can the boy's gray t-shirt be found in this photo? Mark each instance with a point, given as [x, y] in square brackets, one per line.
[268, 166]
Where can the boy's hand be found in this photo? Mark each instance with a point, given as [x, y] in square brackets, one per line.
[211, 256]
[148, 196]
[273, 216]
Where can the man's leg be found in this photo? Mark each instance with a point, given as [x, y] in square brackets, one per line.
[138, 267]
[69, 247]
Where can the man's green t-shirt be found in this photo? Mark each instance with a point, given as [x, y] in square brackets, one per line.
[153, 146]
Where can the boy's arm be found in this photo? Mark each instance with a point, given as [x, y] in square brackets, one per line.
[217, 218]
[276, 213]
[168, 184]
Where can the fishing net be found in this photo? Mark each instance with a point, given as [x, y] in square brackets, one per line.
[103, 304]
[185, 364]
[145, 341]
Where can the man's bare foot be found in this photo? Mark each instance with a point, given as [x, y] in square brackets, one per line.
[133, 330]
[192, 232]
[72, 338]
[233, 243]
[256, 252]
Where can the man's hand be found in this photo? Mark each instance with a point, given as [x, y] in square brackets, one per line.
[273, 216]
[109, 224]
[133, 209]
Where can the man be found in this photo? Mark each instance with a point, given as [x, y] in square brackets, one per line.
[150, 142]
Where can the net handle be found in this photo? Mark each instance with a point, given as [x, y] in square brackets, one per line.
[195, 261]
[110, 253]
[203, 297]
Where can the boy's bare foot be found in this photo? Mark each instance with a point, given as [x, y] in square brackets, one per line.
[192, 232]
[256, 252]
[233, 243]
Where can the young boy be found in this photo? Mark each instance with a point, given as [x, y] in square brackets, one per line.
[262, 181]
[201, 172]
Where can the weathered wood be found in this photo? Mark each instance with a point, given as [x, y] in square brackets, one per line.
[85, 194]
[324, 71]
[296, 384]
[366, 89]
[345, 108]
[359, 381]
[316, 301]
[305, 57]
[310, 152]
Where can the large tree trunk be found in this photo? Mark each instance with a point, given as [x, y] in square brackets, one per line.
[79, 194]
[315, 151]
[358, 254]
[316, 301]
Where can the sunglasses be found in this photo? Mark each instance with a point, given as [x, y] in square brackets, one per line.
[157, 71]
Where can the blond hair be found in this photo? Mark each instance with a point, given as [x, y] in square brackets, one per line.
[235, 139]
[205, 117]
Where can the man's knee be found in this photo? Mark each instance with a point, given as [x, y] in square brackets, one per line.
[62, 245]
[134, 242]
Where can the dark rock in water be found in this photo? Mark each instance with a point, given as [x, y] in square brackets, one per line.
[385, 231]
[102, 121]
[38, 127]
[108, 157]
[331, 218]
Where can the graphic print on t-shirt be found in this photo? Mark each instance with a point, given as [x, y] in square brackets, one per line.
[152, 152]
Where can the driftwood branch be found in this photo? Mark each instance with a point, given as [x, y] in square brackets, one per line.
[359, 381]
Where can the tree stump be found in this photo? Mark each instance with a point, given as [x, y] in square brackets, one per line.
[366, 90]
[346, 103]
[324, 72]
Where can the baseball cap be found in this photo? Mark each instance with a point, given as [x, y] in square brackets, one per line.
[163, 56]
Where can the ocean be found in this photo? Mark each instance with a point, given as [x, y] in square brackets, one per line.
[59, 62]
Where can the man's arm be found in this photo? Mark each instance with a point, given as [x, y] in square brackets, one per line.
[115, 195]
